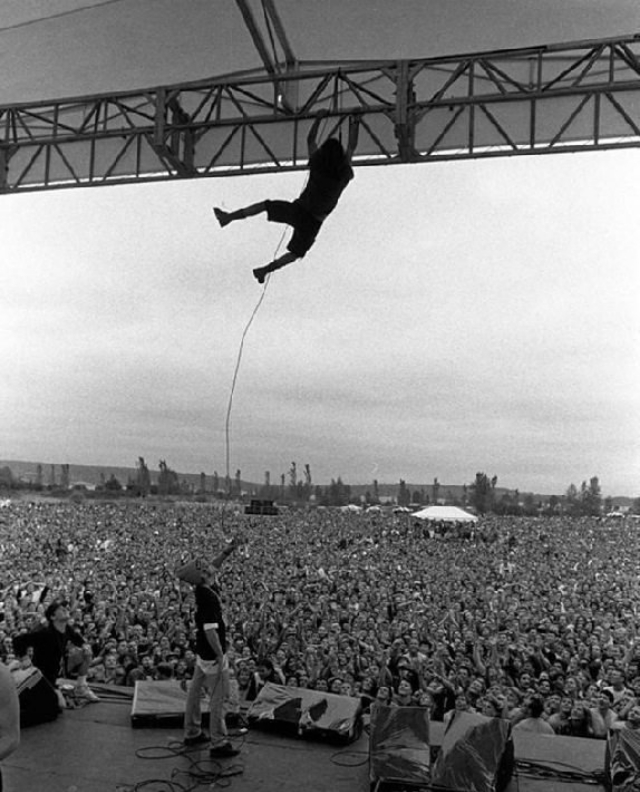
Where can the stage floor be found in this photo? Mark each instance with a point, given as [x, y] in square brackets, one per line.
[95, 749]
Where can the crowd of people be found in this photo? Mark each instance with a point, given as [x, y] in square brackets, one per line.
[530, 619]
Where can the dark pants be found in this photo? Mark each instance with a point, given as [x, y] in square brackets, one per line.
[305, 225]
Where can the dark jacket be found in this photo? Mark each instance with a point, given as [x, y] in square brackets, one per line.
[50, 648]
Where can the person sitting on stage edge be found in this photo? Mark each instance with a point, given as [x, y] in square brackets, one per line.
[58, 651]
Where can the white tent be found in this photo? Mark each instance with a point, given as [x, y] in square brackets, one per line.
[445, 514]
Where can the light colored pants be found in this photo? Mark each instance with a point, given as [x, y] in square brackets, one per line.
[231, 693]
[209, 676]
[77, 661]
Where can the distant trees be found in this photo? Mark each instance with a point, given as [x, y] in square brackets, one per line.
[168, 481]
[420, 497]
[373, 499]
[513, 503]
[6, 477]
[571, 499]
[584, 502]
[307, 477]
[336, 494]
[554, 504]
[293, 480]
[404, 496]
[143, 478]
[298, 490]
[483, 493]
[591, 497]
[296, 486]
[508, 503]
[112, 484]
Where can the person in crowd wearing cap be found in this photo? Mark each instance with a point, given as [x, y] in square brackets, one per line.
[211, 660]
[58, 651]
[9, 716]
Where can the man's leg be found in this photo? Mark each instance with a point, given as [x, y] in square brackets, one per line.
[224, 218]
[217, 726]
[78, 663]
[231, 697]
[192, 712]
[220, 745]
[260, 273]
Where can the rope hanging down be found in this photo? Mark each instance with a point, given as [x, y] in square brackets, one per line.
[235, 374]
[38, 20]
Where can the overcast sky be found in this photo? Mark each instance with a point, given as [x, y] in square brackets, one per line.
[451, 318]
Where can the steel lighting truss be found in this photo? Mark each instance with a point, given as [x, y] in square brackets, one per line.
[548, 99]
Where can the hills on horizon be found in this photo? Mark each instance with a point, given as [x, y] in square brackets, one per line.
[94, 475]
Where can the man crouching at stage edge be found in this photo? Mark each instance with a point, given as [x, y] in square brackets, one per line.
[58, 651]
[211, 669]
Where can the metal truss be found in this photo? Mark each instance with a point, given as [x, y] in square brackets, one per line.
[548, 99]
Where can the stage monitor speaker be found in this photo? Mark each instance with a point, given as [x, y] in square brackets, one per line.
[38, 700]
[477, 754]
[622, 761]
[306, 713]
[399, 752]
[161, 704]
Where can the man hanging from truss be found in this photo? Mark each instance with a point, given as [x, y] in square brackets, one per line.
[330, 172]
